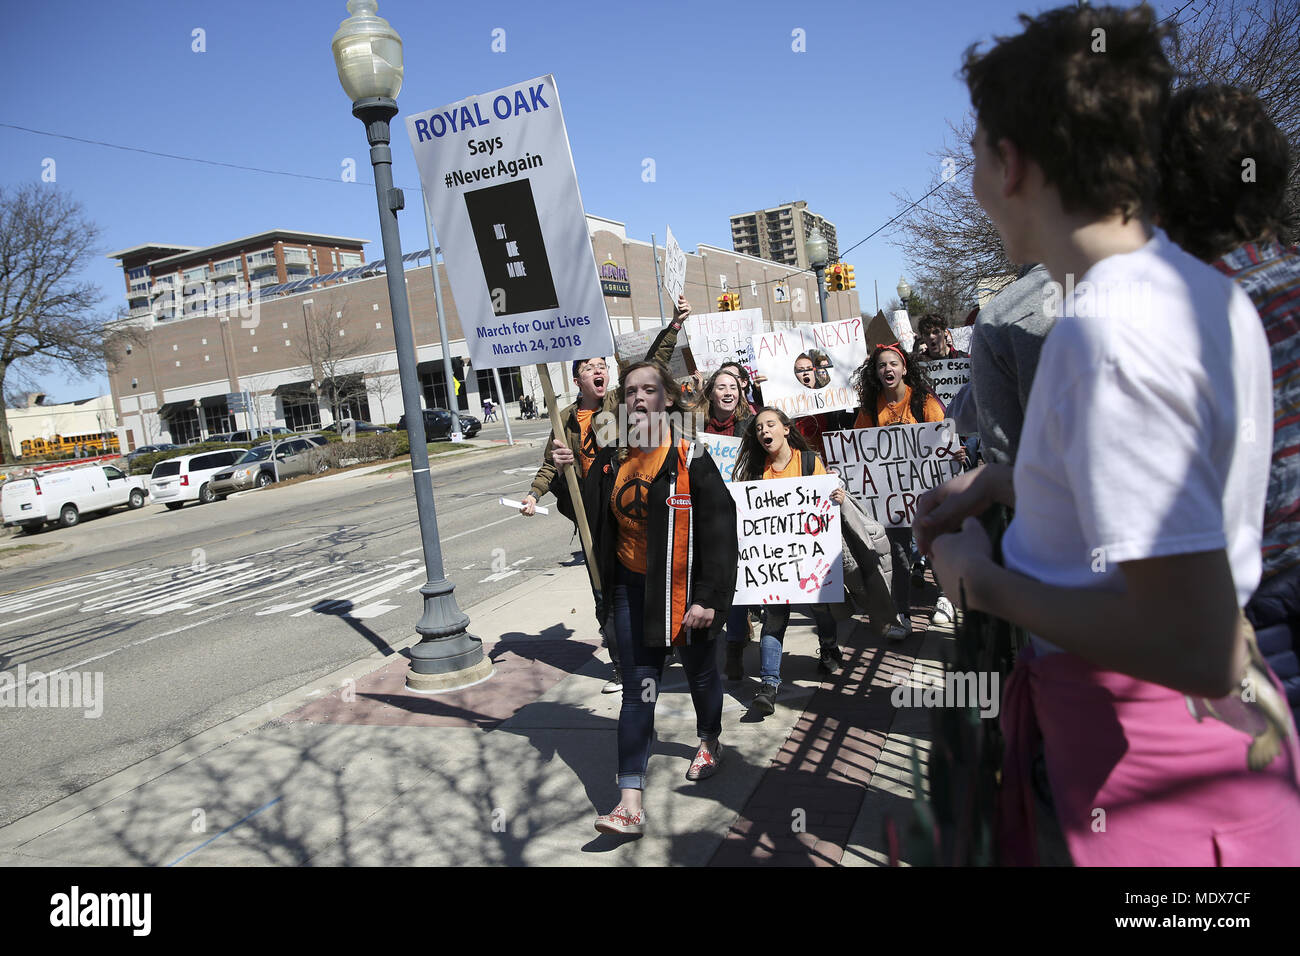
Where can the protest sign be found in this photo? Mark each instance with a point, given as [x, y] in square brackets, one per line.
[634, 346]
[790, 545]
[888, 468]
[809, 367]
[723, 449]
[674, 268]
[901, 326]
[503, 194]
[961, 337]
[718, 337]
[947, 376]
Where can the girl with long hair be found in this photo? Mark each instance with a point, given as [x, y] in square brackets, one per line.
[772, 448]
[663, 527]
[894, 391]
[722, 402]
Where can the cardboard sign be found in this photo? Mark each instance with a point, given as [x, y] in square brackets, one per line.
[499, 179]
[674, 268]
[809, 367]
[718, 337]
[947, 376]
[888, 468]
[790, 545]
[723, 449]
[632, 347]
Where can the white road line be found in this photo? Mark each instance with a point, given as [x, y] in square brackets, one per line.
[34, 616]
[462, 534]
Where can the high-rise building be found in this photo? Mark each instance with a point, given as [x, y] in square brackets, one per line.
[781, 234]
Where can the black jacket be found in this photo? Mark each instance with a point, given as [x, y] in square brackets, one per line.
[714, 558]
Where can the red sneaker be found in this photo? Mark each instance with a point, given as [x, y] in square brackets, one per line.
[706, 763]
[622, 822]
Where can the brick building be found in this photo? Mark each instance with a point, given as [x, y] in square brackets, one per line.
[307, 348]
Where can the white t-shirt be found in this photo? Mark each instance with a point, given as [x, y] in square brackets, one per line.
[1149, 426]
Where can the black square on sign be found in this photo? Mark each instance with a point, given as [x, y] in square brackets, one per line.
[510, 247]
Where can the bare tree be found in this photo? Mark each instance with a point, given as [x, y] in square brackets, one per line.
[334, 354]
[47, 316]
[383, 385]
[951, 245]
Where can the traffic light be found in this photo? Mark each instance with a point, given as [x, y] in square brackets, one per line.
[724, 303]
[834, 278]
[849, 281]
[734, 297]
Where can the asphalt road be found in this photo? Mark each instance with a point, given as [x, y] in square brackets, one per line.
[196, 616]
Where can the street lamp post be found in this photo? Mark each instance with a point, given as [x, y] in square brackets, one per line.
[368, 54]
[904, 292]
[818, 251]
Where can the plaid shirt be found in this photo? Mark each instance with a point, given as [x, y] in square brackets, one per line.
[1270, 275]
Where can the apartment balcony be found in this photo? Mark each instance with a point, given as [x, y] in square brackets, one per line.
[296, 257]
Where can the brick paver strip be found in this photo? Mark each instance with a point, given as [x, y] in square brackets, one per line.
[525, 670]
[817, 781]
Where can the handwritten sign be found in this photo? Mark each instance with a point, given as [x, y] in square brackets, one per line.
[809, 367]
[674, 268]
[948, 376]
[723, 449]
[632, 347]
[887, 469]
[718, 337]
[790, 545]
[901, 326]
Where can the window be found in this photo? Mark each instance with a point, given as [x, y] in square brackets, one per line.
[197, 274]
[140, 272]
[349, 260]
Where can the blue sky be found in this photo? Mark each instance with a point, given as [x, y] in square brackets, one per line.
[713, 92]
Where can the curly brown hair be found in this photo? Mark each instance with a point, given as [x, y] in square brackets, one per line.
[1082, 91]
[1208, 204]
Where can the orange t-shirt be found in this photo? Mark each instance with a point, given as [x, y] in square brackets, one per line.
[900, 412]
[631, 503]
[587, 444]
[793, 467]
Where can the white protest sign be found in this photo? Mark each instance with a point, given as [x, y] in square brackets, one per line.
[499, 179]
[633, 346]
[961, 337]
[790, 544]
[718, 337]
[723, 449]
[809, 367]
[947, 376]
[674, 268]
[888, 468]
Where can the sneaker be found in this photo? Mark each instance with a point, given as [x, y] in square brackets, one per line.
[706, 762]
[764, 701]
[828, 659]
[735, 667]
[614, 684]
[622, 822]
[943, 611]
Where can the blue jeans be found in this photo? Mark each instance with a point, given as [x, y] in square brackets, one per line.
[642, 670]
[776, 617]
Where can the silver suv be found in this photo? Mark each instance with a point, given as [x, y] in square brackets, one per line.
[293, 457]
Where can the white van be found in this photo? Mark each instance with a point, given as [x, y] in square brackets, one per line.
[65, 494]
[189, 477]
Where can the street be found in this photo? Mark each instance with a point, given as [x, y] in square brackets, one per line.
[196, 616]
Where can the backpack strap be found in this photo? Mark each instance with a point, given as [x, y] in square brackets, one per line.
[808, 461]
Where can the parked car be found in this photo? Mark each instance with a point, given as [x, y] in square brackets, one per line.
[148, 450]
[224, 437]
[293, 457]
[256, 434]
[189, 477]
[358, 427]
[65, 494]
[437, 424]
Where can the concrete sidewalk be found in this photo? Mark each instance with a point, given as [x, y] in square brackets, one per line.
[355, 770]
